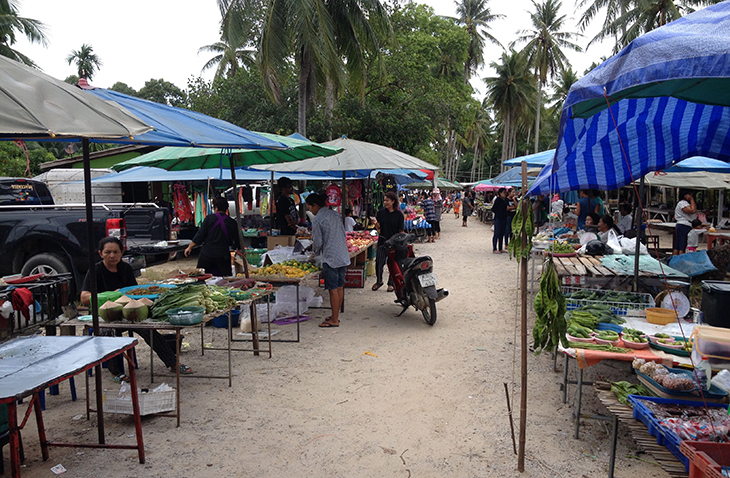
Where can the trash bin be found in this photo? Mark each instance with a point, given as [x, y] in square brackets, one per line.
[715, 300]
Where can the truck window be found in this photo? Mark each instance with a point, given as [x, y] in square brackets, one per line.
[23, 192]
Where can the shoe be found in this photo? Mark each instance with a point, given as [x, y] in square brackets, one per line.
[390, 289]
[496, 252]
[120, 378]
[327, 324]
[184, 370]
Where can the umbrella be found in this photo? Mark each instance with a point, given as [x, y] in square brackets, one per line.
[148, 174]
[699, 164]
[440, 183]
[180, 127]
[357, 156]
[489, 187]
[181, 159]
[38, 106]
[668, 94]
[536, 160]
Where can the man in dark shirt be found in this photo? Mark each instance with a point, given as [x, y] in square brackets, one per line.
[287, 216]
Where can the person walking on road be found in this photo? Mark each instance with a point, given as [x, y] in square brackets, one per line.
[467, 208]
[499, 208]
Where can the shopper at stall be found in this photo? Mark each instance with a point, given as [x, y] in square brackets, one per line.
[287, 216]
[389, 221]
[437, 208]
[349, 220]
[512, 203]
[329, 242]
[685, 212]
[467, 207]
[584, 207]
[217, 234]
[626, 223]
[599, 209]
[499, 208]
[111, 274]
[429, 214]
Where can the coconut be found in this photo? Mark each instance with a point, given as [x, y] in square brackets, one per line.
[135, 311]
[146, 301]
[111, 311]
[124, 300]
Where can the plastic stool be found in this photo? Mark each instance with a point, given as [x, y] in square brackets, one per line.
[53, 390]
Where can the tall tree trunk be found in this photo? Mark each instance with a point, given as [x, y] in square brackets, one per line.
[505, 140]
[537, 120]
[302, 93]
[474, 161]
[329, 106]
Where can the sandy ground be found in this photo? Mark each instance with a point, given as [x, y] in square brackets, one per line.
[429, 402]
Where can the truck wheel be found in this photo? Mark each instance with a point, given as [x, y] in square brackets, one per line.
[49, 264]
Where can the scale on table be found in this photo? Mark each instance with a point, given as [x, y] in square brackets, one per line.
[674, 299]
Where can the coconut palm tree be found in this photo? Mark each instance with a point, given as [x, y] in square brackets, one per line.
[320, 34]
[11, 24]
[238, 29]
[476, 16]
[477, 136]
[228, 59]
[509, 94]
[614, 9]
[544, 48]
[87, 62]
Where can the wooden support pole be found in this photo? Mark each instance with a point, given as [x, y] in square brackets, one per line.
[523, 327]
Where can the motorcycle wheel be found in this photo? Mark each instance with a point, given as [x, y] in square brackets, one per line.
[429, 313]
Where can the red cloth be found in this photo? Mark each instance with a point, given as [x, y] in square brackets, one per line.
[21, 299]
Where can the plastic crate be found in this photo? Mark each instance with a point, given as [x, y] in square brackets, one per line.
[663, 435]
[706, 459]
[618, 308]
[149, 403]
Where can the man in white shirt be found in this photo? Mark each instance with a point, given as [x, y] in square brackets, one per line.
[626, 223]
[349, 221]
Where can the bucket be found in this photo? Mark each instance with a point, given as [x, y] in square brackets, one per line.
[222, 320]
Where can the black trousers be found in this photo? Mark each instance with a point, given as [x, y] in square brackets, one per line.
[161, 347]
[381, 258]
[218, 266]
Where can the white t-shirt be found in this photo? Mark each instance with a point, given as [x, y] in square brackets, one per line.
[625, 223]
[349, 224]
[681, 216]
[693, 237]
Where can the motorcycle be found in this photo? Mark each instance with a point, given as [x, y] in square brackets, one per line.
[413, 279]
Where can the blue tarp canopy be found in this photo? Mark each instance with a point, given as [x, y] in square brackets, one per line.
[536, 160]
[667, 99]
[180, 127]
[147, 174]
[699, 164]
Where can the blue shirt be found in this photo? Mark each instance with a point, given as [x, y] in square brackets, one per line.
[329, 240]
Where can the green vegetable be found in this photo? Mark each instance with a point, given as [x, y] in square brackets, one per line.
[193, 295]
[550, 307]
[557, 247]
[624, 389]
[605, 348]
[515, 244]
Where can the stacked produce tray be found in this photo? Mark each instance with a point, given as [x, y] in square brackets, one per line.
[609, 298]
[664, 436]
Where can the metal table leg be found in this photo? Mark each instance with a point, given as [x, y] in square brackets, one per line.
[565, 379]
[579, 393]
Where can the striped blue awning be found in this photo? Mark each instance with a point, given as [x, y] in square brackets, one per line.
[669, 97]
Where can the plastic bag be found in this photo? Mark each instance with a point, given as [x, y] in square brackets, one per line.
[586, 237]
[628, 246]
[612, 240]
[692, 263]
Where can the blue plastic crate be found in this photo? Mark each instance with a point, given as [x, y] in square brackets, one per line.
[664, 436]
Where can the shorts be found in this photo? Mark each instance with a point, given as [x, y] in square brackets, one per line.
[334, 277]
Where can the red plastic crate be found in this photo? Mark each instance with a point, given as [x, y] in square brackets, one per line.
[706, 459]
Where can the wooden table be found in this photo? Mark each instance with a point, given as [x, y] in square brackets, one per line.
[32, 364]
[588, 271]
[655, 212]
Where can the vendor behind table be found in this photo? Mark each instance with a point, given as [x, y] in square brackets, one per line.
[217, 234]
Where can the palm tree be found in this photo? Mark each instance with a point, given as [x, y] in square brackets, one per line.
[562, 85]
[510, 93]
[614, 9]
[544, 48]
[11, 24]
[319, 34]
[228, 58]
[477, 135]
[87, 62]
[476, 16]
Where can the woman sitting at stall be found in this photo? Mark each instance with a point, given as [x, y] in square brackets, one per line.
[112, 274]
[605, 224]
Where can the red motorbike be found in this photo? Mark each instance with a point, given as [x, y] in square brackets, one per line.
[413, 278]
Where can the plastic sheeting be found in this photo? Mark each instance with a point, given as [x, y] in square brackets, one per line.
[692, 263]
[625, 265]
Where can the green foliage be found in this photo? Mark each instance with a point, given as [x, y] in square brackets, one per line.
[12, 25]
[87, 62]
[72, 80]
[13, 162]
[122, 87]
[162, 91]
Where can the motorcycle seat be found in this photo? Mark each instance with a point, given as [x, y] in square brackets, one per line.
[408, 262]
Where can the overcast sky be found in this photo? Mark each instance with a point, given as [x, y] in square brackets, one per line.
[138, 40]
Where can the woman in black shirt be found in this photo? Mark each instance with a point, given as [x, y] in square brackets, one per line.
[389, 221]
[217, 234]
[499, 209]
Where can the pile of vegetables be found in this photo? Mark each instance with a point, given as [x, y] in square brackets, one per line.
[558, 247]
[605, 348]
[608, 335]
[515, 244]
[550, 323]
[596, 313]
[193, 295]
[633, 335]
[622, 390]
[607, 296]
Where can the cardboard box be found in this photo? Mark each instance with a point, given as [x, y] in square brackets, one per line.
[284, 241]
[355, 277]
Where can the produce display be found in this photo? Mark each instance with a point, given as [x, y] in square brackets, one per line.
[209, 296]
[595, 313]
[135, 311]
[661, 375]
[607, 296]
[692, 423]
[290, 269]
[608, 335]
[557, 247]
[515, 244]
[605, 348]
[357, 240]
[550, 323]
[241, 283]
[111, 311]
[147, 290]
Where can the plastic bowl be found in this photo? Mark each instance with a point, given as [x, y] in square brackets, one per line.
[580, 339]
[655, 340]
[635, 345]
[659, 316]
[674, 345]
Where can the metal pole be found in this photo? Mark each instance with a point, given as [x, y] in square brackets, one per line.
[271, 204]
[523, 328]
[238, 211]
[94, 304]
[638, 235]
[343, 200]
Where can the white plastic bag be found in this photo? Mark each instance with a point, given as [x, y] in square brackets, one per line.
[628, 246]
[586, 237]
[613, 242]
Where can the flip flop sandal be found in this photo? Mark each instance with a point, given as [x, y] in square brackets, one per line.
[120, 378]
[377, 286]
[326, 325]
[184, 370]
[390, 289]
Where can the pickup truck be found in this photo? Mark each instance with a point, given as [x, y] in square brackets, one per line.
[37, 236]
